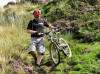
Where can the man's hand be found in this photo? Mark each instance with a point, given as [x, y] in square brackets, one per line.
[51, 27]
[38, 33]
[34, 32]
[31, 31]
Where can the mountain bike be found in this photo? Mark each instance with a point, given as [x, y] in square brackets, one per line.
[57, 45]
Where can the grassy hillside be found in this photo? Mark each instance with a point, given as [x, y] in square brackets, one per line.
[83, 37]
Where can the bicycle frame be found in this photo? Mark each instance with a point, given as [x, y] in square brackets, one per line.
[56, 41]
[49, 37]
[53, 39]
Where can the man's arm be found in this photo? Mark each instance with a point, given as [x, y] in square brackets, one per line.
[29, 28]
[31, 31]
[47, 25]
[51, 27]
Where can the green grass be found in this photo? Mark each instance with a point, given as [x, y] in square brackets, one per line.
[14, 40]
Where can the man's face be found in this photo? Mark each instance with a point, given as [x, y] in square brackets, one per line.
[37, 16]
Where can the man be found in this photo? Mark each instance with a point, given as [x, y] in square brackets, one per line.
[36, 29]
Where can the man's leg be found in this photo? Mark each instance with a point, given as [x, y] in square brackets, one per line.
[33, 54]
[41, 50]
[32, 49]
[39, 58]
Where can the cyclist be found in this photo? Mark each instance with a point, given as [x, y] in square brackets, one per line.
[36, 29]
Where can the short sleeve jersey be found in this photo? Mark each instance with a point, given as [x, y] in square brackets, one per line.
[37, 26]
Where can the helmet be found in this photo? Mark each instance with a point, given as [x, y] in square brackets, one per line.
[37, 12]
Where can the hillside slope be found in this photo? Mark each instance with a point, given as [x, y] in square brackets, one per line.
[80, 22]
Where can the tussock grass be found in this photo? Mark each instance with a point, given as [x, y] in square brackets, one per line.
[13, 41]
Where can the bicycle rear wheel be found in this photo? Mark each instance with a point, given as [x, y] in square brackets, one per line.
[65, 47]
[54, 53]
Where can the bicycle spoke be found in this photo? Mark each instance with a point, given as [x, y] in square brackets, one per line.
[55, 54]
[65, 47]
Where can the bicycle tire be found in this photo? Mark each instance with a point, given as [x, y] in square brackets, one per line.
[54, 53]
[65, 47]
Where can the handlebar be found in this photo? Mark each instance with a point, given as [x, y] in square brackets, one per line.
[54, 31]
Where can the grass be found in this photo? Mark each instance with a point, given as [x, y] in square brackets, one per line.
[14, 41]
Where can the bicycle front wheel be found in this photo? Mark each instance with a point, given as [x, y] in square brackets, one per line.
[65, 47]
[54, 53]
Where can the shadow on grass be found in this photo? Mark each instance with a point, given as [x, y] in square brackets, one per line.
[51, 66]
[47, 67]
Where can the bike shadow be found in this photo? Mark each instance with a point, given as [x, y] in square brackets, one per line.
[48, 64]
[51, 66]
